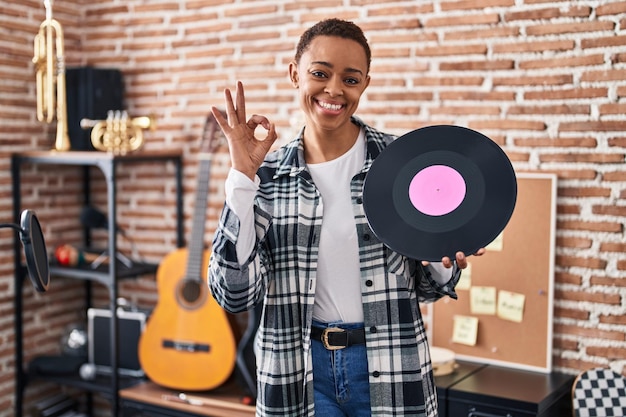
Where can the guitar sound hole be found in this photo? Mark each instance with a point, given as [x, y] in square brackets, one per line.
[191, 293]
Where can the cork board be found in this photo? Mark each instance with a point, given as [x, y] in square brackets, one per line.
[519, 262]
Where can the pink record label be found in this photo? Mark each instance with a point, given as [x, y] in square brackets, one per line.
[437, 190]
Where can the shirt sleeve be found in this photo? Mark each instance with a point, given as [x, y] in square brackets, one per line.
[438, 281]
[240, 192]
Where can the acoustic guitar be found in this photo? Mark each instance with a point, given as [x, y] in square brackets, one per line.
[188, 343]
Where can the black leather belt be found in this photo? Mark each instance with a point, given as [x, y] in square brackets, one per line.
[334, 338]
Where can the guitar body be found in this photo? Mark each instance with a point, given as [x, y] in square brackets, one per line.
[187, 343]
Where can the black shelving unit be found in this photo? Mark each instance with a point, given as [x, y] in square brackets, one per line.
[108, 274]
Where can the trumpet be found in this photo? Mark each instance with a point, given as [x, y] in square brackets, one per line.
[118, 134]
[50, 69]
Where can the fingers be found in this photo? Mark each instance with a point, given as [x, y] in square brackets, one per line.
[461, 260]
[221, 121]
[241, 103]
[235, 110]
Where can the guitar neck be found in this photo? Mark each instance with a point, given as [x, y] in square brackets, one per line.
[196, 244]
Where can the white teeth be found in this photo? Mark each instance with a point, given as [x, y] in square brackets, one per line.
[330, 106]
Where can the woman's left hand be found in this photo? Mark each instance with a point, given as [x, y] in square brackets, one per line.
[461, 259]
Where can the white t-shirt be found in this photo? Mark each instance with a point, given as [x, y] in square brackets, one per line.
[338, 286]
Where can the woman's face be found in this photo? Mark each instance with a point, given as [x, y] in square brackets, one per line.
[331, 77]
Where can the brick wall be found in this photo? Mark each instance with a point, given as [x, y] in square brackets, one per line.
[545, 79]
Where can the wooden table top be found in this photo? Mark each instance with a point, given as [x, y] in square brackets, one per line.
[224, 401]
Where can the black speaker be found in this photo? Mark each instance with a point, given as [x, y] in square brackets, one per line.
[90, 93]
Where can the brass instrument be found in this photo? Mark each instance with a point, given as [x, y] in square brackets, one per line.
[118, 134]
[50, 66]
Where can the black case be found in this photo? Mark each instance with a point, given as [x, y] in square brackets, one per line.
[90, 93]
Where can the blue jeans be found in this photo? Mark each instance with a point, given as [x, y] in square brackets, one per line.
[340, 379]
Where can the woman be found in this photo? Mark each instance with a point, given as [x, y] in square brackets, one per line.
[341, 332]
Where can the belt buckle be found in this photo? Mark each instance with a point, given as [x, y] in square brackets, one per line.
[325, 338]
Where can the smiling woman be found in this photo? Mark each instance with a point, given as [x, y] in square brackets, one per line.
[341, 332]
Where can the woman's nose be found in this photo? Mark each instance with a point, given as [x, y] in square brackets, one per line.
[334, 87]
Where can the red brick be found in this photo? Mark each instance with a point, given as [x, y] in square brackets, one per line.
[567, 94]
[565, 344]
[611, 353]
[589, 297]
[557, 142]
[614, 176]
[576, 174]
[562, 28]
[463, 20]
[510, 124]
[600, 158]
[609, 210]
[613, 247]
[533, 80]
[448, 81]
[607, 281]
[549, 13]
[611, 8]
[571, 313]
[589, 126]
[612, 108]
[550, 109]
[588, 332]
[410, 9]
[474, 4]
[613, 319]
[619, 142]
[477, 65]
[603, 42]
[451, 50]
[481, 33]
[574, 242]
[561, 62]
[604, 75]
[534, 46]
[460, 110]
[473, 95]
[568, 278]
[590, 226]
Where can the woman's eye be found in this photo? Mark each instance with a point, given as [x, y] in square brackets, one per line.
[352, 81]
[318, 74]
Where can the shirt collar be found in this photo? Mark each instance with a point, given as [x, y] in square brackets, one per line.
[292, 161]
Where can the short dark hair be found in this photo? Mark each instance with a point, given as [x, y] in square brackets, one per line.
[334, 27]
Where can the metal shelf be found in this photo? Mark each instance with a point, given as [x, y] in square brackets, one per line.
[107, 274]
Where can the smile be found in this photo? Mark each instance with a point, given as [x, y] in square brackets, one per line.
[330, 106]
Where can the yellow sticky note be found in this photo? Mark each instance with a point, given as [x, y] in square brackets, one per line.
[496, 244]
[511, 306]
[465, 282]
[465, 330]
[483, 300]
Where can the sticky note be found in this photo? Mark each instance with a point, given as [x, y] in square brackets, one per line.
[497, 244]
[465, 330]
[511, 306]
[483, 300]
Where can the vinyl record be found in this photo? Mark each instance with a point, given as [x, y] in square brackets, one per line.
[438, 190]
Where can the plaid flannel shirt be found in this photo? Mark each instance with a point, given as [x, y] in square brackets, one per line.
[280, 274]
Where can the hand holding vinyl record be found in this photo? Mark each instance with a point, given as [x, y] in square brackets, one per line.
[438, 191]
